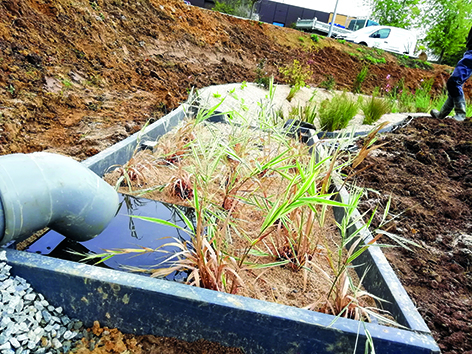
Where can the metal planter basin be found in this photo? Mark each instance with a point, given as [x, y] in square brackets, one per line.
[142, 305]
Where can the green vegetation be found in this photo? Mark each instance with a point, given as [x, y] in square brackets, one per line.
[405, 60]
[337, 112]
[289, 189]
[305, 113]
[360, 78]
[395, 13]
[240, 8]
[403, 100]
[315, 38]
[448, 24]
[374, 60]
[262, 79]
[66, 82]
[295, 75]
[374, 108]
[11, 89]
[329, 83]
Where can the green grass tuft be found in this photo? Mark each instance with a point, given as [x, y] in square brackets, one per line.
[335, 114]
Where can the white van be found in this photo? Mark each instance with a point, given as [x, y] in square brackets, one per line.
[392, 39]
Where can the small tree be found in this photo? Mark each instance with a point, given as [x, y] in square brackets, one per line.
[222, 6]
[242, 8]
[449, 23]
[397, 13]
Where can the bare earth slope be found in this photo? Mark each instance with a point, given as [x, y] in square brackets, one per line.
[77, 76]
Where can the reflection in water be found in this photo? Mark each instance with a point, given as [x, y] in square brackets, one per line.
[125, 231]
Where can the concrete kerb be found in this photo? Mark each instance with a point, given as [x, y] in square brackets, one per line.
[141, 305]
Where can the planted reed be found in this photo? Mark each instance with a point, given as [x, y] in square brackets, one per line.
[360, 78]
[374, 108]
[305, 113]
[261, 202]
[337, 112]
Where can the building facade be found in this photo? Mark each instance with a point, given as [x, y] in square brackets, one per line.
[275, 12]
[284, 15]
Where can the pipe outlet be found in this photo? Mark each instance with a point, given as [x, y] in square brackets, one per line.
[48, 190]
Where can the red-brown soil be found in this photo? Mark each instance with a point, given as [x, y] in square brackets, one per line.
[104, 340]
[78, 76]
[426, 168]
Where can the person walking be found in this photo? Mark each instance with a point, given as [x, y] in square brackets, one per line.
[455, 94]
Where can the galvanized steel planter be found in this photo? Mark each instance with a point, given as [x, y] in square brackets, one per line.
[141, 305]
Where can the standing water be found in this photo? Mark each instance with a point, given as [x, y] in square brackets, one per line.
[125, 231]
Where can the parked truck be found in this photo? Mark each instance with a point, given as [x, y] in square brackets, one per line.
[313, 25]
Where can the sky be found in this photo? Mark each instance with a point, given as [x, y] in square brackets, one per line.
[345, 7]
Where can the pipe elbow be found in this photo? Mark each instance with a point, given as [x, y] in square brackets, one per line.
[48, 190]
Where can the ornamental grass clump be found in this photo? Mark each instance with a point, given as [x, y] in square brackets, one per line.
[423, 96]
[337, 112]
[305, 113]
[374, 108]
[360, 78]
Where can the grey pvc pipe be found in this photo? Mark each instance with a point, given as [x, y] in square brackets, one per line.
[41, 190]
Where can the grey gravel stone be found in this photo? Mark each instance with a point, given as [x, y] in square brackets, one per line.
[28, 322]
[56, 343]
[4, 346]
[14, 342]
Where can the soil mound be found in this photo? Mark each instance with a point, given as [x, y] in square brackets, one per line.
[79, 76]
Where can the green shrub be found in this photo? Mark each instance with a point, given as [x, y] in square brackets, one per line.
[315, 38]
[342, 41]
[379, 51]
[405, 60]
[296, 75]
[406, 101]
[301, 39]
[329, 83]
[336, 113]
[374, 60]
[360, 78]
[374, 108]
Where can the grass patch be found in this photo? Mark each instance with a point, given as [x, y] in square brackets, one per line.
[360, 78]
[374, 108]
[337, 112]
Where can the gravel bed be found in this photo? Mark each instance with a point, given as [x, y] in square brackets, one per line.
[29, 324]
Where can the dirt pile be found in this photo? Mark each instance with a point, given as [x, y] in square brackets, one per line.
[426, 169]
[79, 76]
